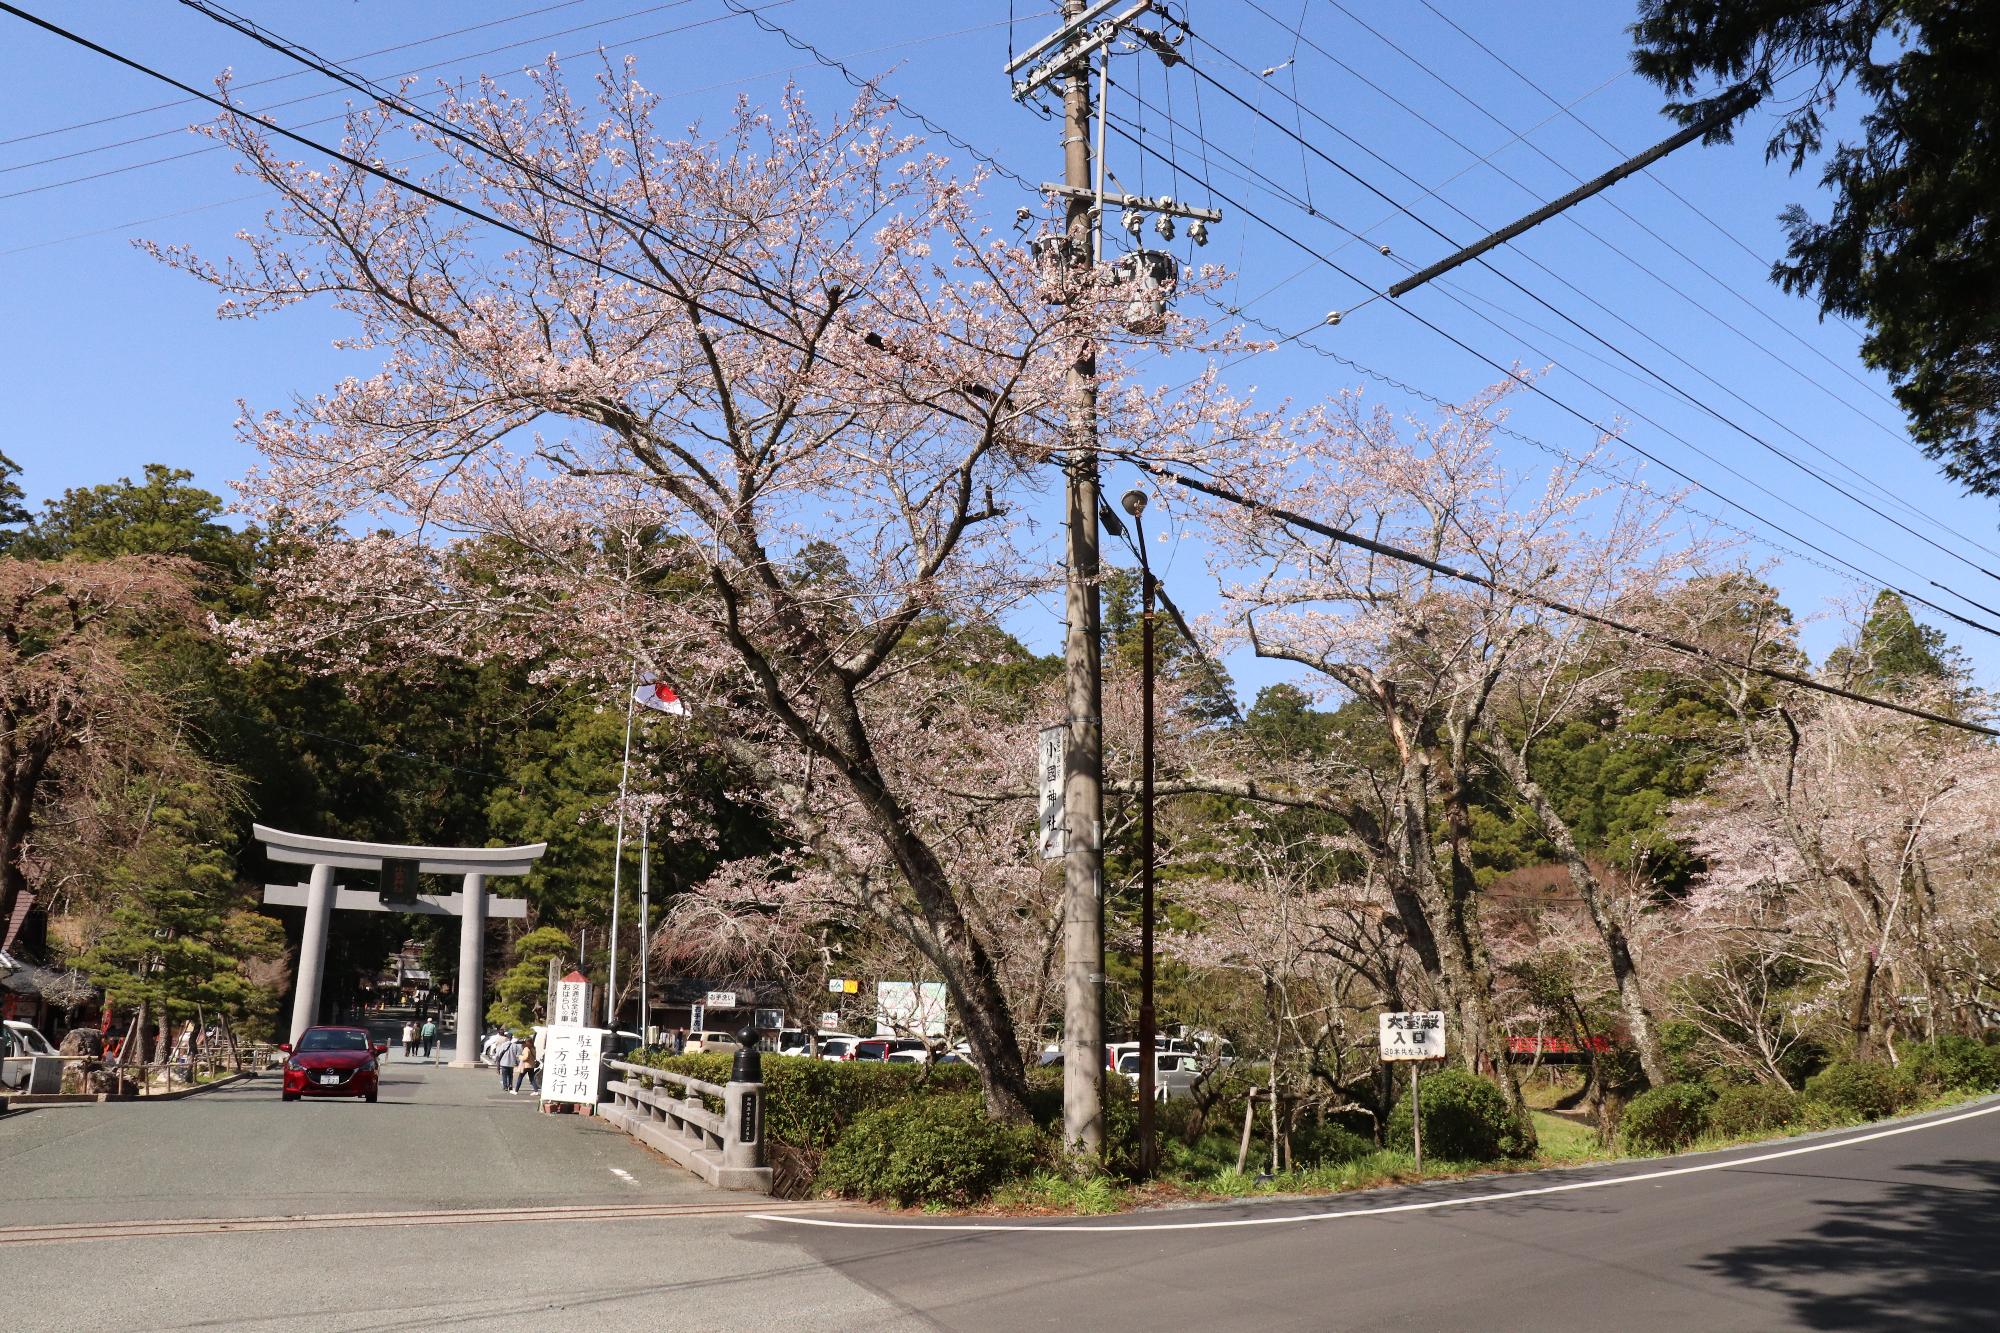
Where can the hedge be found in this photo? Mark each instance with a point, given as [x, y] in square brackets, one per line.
[1865, 1089]
[809, 1103]
[1757, 1108]
[1670, 1116]
[1465, 1119]
[928, 1150]
[1954, 1064]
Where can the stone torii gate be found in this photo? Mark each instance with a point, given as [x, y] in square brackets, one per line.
[472, 906]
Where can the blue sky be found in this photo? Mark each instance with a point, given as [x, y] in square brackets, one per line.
[112, 361]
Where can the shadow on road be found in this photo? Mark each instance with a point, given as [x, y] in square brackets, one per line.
[1919, 1256]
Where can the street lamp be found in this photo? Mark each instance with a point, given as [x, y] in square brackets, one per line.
[1134, 503]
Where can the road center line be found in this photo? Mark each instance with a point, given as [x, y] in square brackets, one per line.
[1060, 1227]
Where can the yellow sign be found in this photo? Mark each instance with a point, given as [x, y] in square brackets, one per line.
[851, 986]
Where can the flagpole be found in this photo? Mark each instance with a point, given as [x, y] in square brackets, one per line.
[645, 924]
[618, 852]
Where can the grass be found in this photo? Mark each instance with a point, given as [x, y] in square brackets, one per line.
[1563, 1140]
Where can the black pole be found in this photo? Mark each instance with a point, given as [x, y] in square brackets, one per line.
[1148, 1129]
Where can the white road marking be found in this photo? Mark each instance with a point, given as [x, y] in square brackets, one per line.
[624, 1175]
[1065, 1228]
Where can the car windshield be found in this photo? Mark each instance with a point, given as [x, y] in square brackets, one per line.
[333, 1039]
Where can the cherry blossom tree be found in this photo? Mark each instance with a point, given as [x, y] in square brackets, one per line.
[741, 410]
[1855, 845]
[79, 716]
[1428, 653]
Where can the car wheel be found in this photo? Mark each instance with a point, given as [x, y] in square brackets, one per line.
[288, 1096]
[368, 1097]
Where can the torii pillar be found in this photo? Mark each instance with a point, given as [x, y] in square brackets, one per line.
[472, 907]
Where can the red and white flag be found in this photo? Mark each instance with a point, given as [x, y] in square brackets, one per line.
[660, 697]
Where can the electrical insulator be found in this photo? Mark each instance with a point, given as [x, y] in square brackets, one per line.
[1165, 226]
[1333, 317]
[1385, 249]
[1134, 221]
[1198, 232]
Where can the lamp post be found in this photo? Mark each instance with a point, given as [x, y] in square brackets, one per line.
[1134, 503]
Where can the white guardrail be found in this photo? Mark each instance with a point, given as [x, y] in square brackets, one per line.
[726, 1149]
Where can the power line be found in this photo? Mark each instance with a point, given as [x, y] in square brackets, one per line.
[1689, 204]
[327, 120]
[1153, 467]
[1648, 370]
[281, 78]
[1560, 607]
[1677, 290]
[1458, 92]
[1533, 386]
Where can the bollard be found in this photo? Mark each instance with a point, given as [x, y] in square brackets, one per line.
[743, 1105]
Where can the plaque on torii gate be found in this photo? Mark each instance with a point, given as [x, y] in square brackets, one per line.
[472, 906]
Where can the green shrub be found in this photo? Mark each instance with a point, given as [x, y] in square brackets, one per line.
[1954, 1064]
[809, 1103]
[1668, 1117]
[1757, 1108]
[1331, 1144]
[1465, 1119]
[1683, 1049]
[927, 1150]
[1864, 1088]
[1121, 1115]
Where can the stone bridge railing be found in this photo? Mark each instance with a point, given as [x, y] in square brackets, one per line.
[670, 1112]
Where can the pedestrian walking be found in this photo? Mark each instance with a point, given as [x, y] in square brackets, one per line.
[508, 1057]
[529, 1076]
[430, 1036]
[409, 1040]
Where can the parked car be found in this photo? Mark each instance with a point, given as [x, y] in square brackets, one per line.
[619, 1044]
[1174, 1072]
[836, 1045]
[711, 1041]
[881, 1048]
[331, 1062]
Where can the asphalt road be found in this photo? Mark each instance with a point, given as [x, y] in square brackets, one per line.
[1860, 1230]
[499, 1216]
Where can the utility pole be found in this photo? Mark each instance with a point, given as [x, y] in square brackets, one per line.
[1083, 673]
[1089, 27]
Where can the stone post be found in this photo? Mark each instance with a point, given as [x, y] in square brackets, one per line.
[312, 950]
[471, 973]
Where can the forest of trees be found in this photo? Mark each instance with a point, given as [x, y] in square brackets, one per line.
[777, 429]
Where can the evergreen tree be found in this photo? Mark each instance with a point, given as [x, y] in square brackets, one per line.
[1909, 246]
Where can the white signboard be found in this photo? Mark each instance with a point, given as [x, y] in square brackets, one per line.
[721, 999]
[828, 1021]
[569, 1071]
[909, 1008]
[1049, 756]
[572, 1001]
[1416, 1035]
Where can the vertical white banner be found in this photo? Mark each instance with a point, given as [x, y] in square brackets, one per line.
[569, 1072]
[1051, 751]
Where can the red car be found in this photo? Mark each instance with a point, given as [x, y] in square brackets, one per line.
[332, 1062]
